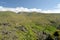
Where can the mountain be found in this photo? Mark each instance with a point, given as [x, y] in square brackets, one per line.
[28, 25]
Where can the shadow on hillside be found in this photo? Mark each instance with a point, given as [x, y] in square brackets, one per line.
[46, 36]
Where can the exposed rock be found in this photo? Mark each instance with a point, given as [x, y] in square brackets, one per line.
[58, 27]
[56, 34]
[14, 37]
[41, 36]
[5, 32]
[53, 22]
[49, 37]
[5, 24]
[22, 28]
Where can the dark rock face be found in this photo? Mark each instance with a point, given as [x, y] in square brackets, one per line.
[56, 34]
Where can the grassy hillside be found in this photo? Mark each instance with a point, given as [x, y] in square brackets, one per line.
[27, 26]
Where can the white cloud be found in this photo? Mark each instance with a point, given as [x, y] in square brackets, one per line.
[58, 6]
[55, 10]
[22, 9]
[19, 9]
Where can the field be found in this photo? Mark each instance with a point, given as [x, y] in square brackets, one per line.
[28, 25]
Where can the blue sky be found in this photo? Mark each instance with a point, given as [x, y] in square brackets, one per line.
[45, 6]
[41, 4]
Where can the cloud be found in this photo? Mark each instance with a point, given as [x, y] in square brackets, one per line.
[22, 9]
[55, 10]
[58, 6]
[19, 9]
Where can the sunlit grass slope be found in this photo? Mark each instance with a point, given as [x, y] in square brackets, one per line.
[26, 26]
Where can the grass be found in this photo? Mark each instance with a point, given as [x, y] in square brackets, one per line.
[26, 26]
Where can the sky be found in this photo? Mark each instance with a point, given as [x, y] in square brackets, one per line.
[30, 5]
